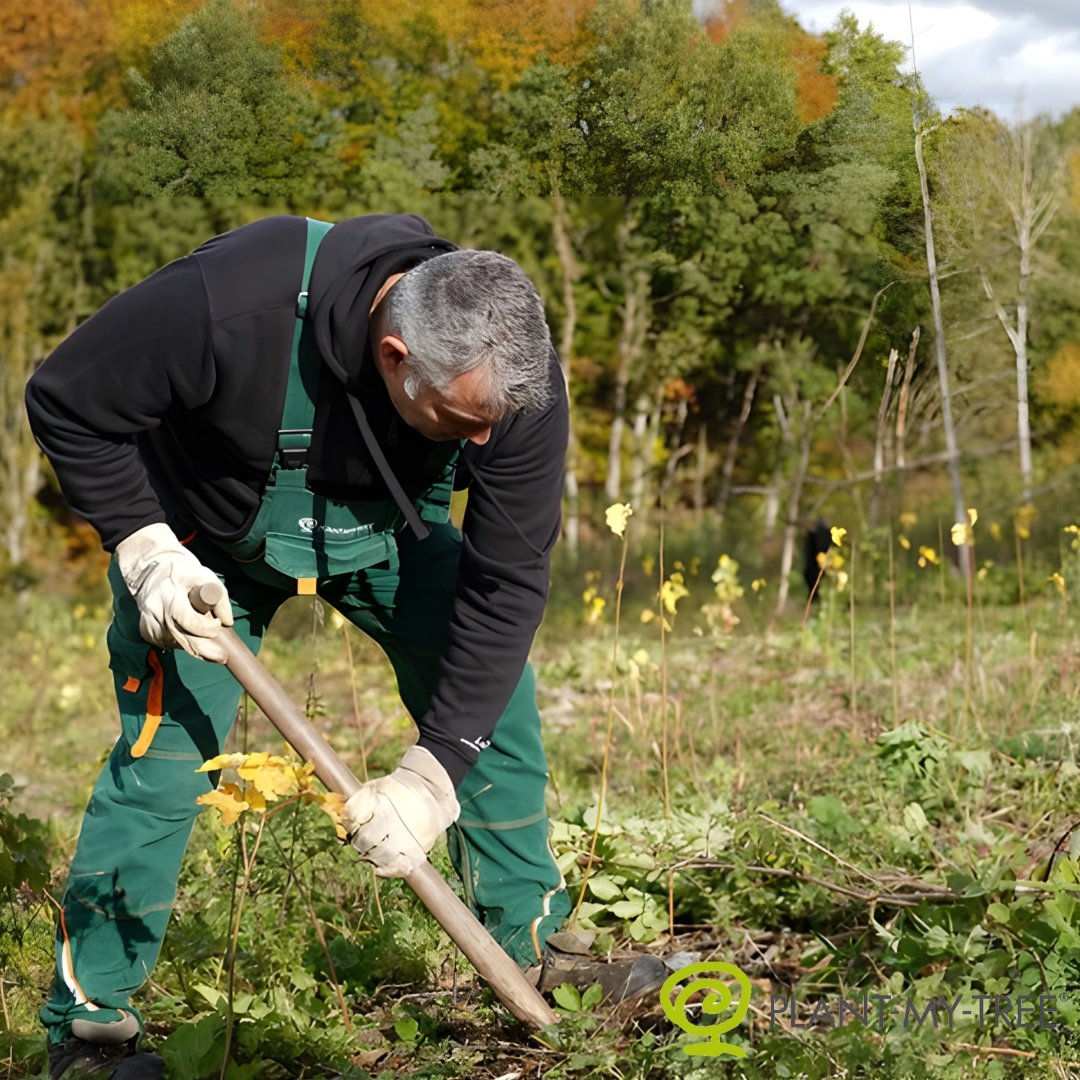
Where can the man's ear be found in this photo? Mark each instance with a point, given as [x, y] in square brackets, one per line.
[390, 353]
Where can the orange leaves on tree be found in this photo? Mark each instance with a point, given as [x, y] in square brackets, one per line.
[47, 51]
[269, 783]
[726, 19]
[816, 91]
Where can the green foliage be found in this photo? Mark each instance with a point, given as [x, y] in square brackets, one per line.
[24, 847]
[215, 115]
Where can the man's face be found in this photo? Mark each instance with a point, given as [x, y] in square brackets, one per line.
[459, 413]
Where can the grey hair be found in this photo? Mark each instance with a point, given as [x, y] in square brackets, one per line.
[473, 309]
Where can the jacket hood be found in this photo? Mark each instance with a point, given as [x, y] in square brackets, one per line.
[354, 259]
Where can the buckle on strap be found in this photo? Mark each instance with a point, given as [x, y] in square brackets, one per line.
[301, 304]
[293, 445]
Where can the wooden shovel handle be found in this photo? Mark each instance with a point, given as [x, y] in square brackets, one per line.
[465, 930]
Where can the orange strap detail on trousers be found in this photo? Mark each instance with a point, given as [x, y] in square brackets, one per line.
[153, 707]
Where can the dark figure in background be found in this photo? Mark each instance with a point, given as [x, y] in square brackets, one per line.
[815, 548]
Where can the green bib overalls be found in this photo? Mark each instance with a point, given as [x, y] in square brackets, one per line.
[176, 712]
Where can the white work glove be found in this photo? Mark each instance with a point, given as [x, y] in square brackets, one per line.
[394, 821]
[159, 573]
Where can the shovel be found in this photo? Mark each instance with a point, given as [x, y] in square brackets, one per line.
[483, 951]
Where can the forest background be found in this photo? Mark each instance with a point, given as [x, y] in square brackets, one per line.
[739, 230]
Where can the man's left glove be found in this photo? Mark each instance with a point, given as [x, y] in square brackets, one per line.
[160, 573]
[394, 821]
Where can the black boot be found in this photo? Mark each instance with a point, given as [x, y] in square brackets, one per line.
[566, 961]
[103, 1051]
[75, 1058]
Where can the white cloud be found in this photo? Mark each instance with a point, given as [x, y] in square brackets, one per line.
[980, 52]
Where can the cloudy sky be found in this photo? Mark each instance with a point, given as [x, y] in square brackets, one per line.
[1019, 57]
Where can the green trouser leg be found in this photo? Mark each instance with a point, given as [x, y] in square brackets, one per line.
[122, 883]
[499, 847]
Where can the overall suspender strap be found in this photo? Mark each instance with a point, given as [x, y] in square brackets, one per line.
[298, 415]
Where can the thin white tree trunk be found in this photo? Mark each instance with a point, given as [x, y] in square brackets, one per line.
[701, 468]
[631, 341]
[959, 507]
[880, 436]
[564, 248]
[794, 501]
[904, 399]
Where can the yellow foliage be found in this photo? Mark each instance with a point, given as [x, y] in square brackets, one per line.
[228, 800]
[672, 591]
[617, 515]
[1059, 380]
[928, 557]
[222, 761]
[266, 779]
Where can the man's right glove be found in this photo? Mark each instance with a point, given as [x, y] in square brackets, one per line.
[159, 573]
[394, 821]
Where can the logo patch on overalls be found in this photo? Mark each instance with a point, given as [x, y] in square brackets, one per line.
[310, 525]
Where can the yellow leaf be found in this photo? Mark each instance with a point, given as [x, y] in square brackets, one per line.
[962, 534]
[255, 800]
[222, 761]
[272, 782]
[837, 533]
[647, 615]
[227, 800]
[672, 591]
[905, 543]
[1059, 582]
[333, 806]
[254, 762]
[617, 516]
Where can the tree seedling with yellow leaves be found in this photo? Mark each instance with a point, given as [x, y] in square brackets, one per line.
[267, 779]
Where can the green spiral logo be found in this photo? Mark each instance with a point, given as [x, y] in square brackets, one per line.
[720, 986]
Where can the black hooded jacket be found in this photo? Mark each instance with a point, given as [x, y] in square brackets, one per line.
[166, 404]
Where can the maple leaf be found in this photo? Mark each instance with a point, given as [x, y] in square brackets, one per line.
[222, 761]
[333, 806]
[228, 800]
[272, 781]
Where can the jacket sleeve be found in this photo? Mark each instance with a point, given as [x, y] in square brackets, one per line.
[143, 355]
[512, 521]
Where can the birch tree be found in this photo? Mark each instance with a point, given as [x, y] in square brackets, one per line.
[1004, 186]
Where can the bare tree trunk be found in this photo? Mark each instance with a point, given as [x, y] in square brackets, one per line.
[791, 523]
[564, 247]
[904, 399]
[631, 342]
[642, 451]
[727, 471]
[701, 462]
[1032, 203]
[959, 508]
[880, 436]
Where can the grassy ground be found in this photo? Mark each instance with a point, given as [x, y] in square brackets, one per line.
[855, 802]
